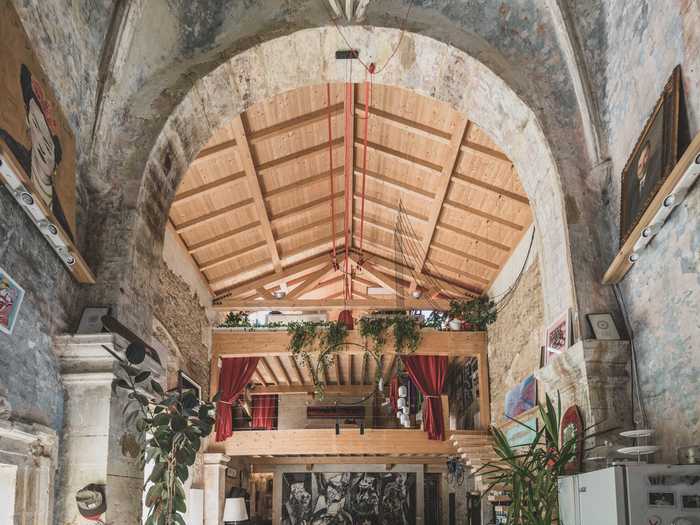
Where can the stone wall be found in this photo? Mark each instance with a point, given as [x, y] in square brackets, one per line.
[514, 340]
[629, 41]
[180, 313]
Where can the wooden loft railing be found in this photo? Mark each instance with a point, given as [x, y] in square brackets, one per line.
[271, 344]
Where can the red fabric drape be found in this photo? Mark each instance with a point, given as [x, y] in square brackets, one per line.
[264, 412]
[234, 376]
[428, 373]
[394, 393]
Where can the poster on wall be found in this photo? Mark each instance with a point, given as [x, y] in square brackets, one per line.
[519, 435]
[557, 337]
[34, 133]
[653, 158]
[521, 398]
[11, 295]
[349, 498]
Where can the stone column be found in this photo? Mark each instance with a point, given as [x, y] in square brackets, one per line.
[596, 376]
[214, 487]
[97, 445]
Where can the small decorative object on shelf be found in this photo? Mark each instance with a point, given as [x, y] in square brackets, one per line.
[471, 314]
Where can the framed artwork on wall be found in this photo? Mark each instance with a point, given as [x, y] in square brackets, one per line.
[520, 435]
[653, 157]
[185, 382]
[572, 426]
[603, 326]
[557, 337]
[521, 398]
[91, 319]
[11, 296]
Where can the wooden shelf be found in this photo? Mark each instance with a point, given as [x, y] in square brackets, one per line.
[621, 263]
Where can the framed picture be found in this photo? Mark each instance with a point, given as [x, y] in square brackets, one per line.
[557, 337]
[91, 320]
[653, 157]
[11, 295]
[185, 382]
[521, 398]
[603, 326]
[572, 427]
[518, 435]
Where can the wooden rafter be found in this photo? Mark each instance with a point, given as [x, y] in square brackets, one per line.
[313, 150]
[223, 237]
[403, 157]
[304, 228]
[297, 372]
[216, 214]
[287, 126]
[264, 293]
[264, 364]
[459, 131]
[398, 184]
[280, 363]
[471, 181]
[246, 156]
[216, 149]
[461, 273]
[226, 305]
[230, 256]
[313, 245]
[307, 206]
[392, 208]
[466, 233]
[465, 255]
[301, 183]
[263, 265]
[310, 283]
[484, 215]
[186, 196]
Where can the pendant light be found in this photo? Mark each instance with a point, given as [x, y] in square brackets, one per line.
[403, 391]
[401, 403]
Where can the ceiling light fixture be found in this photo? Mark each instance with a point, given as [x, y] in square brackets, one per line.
[417, 293]
[279, 294]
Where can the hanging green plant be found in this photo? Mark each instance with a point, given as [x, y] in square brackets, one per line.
[171, 427]
[236, 320]
[407, 333]
[375, 329]
[479, 312]
[323, 339]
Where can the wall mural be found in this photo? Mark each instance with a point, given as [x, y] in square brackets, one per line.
[349, 498]
[32, 127]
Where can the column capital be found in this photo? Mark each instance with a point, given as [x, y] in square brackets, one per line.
[216, 458]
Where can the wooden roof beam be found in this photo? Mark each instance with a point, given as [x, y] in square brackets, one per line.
[188, 195]
[301, 183]
[307, 206]
[313, 150]
[263, 362]
[471, 181]
[484, 215]
[403, 157]
[223, 237]
[287, 378]
[295, 390]
[316, 243]
[246, 157]
[398, 184]
[465, 255]
[404, 124]
[310, 283]
[284, 127]
[304, 228]
[471, 235]
[265, 263]
[213, 215]
[228, 257]
[226, 305]
[392, 208]
[215, 150]
[460, 128]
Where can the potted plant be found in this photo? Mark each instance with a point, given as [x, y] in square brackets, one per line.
[473, 314]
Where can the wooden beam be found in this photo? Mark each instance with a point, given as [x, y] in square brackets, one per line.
[460, 272]
[233, 343]
[203, 219]
[264, 293]
[385, 227]
[227, 305]
[280, 363]
[186, 196]
[215, 149]
[399, 185]
[325, 441]
[284, 127]
[471, 235]
[310, 282]
[485, 150]
[226, 277]
[265, 280]
[257, 375]
[313, 150]
[392, 207]
[306, 206]
[465, 255]
[263, 362]
[246, 156]
[212, 263]
[263, 464]
[297, 372]
[404, 124]
[351, 362]
[301, 183]
[488, 216]
[471, 181]
[223, 237]
[404, 157]
[316, 243]
[460, 128]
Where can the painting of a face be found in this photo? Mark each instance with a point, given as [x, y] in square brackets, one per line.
[643, 163]
[43, 151]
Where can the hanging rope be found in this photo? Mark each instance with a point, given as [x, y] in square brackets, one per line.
[348, 174]
[330, 170]
[364, 167]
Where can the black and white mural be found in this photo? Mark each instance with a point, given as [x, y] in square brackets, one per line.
[349, 498]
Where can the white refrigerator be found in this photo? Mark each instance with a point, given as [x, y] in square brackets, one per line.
[639, 494]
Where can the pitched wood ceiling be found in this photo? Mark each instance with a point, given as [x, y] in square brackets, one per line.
[254, 208]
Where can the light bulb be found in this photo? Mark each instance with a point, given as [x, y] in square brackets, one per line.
[401, 402]
[403, 391]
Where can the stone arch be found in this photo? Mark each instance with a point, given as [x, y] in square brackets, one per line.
[424, 65]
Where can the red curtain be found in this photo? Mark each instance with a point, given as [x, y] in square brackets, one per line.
[394, 393]
[234, 376]
[264, 412]
[428, 373]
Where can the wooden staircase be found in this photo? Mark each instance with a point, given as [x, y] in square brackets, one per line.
[476, 450]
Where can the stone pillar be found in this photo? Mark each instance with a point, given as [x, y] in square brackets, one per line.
[596, 376]
[214, 487]
[97, 445]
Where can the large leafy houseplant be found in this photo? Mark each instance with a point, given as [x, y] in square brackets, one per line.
[479, 312]
[171, 427]
[530, 472]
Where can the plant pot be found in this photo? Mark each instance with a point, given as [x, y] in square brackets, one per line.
[455, 324]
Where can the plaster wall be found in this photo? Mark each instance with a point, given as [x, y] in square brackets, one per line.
[632, 47]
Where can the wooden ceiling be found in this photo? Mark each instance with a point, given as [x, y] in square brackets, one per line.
[254, 209]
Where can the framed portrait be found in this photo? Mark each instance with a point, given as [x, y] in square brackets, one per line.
[557, 337]
[11, 296]
[653, 158]
[603, 326]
